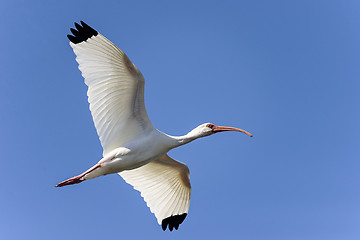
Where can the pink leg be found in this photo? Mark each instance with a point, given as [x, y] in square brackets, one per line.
[73, 180]
[79, 178]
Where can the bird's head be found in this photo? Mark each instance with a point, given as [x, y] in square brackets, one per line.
[208, 129]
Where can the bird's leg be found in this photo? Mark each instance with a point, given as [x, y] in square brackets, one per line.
[79, 178]
[73, 180]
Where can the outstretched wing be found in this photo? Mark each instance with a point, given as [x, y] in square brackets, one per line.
[165, 186]
[115, 88]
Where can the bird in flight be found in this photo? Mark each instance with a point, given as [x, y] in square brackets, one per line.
[132, 146]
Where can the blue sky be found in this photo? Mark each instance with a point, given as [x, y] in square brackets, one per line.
[286, 71]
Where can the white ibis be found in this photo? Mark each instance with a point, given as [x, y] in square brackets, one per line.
[132, 146]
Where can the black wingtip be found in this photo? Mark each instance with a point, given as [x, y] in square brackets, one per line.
[82, 33]
[173, 221]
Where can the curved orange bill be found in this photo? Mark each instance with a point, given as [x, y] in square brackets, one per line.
[217, 129]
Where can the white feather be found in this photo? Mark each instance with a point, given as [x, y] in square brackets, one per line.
[115, 93]
[164, 193]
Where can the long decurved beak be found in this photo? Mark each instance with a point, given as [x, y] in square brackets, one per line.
[217, 129]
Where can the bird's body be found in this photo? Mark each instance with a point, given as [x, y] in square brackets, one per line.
[133, 154]
[132, 146]
[136, 153]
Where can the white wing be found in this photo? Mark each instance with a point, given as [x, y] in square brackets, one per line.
[115, 88]
[165, 186]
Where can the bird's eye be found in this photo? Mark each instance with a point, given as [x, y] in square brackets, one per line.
[209, 125]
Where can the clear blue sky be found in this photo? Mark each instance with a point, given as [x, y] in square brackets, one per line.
[287, 71]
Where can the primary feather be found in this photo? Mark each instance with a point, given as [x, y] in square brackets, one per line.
[115, 89]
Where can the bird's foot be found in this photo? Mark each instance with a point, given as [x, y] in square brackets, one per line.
[73, 180]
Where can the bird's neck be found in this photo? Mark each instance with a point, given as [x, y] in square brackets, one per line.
[181, 140]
